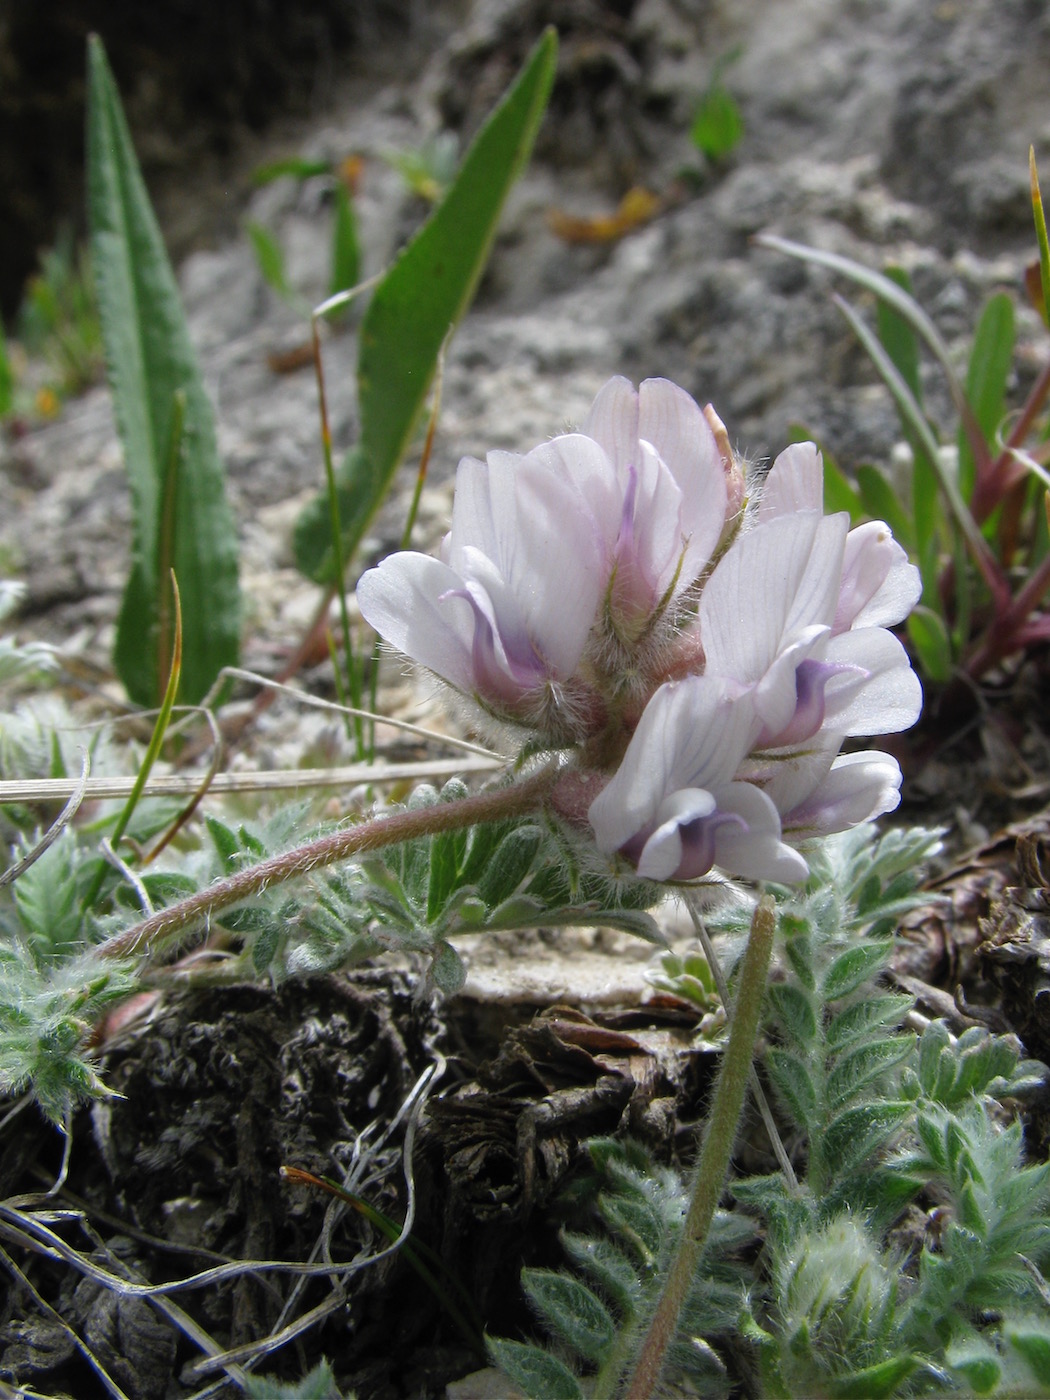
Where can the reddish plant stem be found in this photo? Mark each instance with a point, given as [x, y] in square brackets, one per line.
[1002, 636]
[514, 800]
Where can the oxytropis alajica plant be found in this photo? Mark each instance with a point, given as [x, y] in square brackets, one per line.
[681, 650]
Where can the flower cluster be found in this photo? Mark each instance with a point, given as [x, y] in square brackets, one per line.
[700, 644]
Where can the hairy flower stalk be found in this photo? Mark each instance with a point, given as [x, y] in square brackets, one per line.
[513, 801]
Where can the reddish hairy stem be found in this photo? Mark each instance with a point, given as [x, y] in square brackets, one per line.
[515, 800]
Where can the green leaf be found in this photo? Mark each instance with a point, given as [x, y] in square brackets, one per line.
[534, 1371]
[318, 1385]
[423, 295]
[509, 864]
[1033, 1344]
[571, 1312]
[898, 335]
[718, 126]
[47, 899]
[864, 1018]
[1041, 237]
[863, 1067]
[297, 166]
[881, 503]
[795, 1012]
[840, 493]
[447, 971]
[608, 1266]
[792, 1081]
[855, 966]
[7, 378]
[933, 646]
[346, 246]
[270, 257]
[875, 1382]
[151, 360]
[990, 359]
[858, 1132]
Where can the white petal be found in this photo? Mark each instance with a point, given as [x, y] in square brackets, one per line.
[400, 599]
[795, 483]
[774, 581]
[860, 787]
[662, 854]
[879, 586]
[613, 422]
[888, 700]
[692, 734]
[756, 853]
[675, 425]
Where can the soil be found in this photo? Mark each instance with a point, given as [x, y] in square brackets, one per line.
[893, 134]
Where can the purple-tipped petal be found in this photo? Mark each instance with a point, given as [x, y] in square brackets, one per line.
[859, 787]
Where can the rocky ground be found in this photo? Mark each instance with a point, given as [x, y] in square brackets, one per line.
[893, 133]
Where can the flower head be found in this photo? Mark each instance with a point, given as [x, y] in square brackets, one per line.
[613, 593]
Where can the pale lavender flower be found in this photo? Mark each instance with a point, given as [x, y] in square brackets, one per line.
[670, 484]
[674, 807]
[793, 663]
[505, 614]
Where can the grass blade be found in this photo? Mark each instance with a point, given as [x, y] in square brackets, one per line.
[150, 359]
[423, 294]
[907, 406]
[990, 359]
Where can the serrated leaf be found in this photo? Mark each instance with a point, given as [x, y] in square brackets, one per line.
[423, 295]
[151, 361]
[538, 1375]
[855, 966]
[571, 1312]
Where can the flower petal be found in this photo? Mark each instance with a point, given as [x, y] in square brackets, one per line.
[692, 734]
[859, 787]
[795, 483]
[409, 600]
[879, 587]
[886, 698]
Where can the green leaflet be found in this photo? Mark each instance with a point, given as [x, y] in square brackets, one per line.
[419, 299]
[150, 361]
[991, 356]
